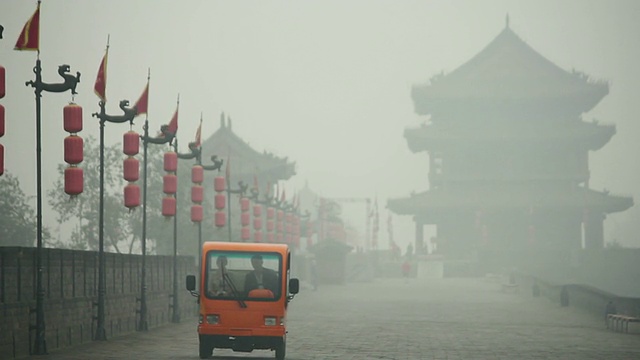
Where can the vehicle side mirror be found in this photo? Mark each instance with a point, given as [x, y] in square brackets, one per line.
[191, 282]
[294, 286]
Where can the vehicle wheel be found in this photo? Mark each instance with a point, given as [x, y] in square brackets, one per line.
[281, 349]
[206, 349]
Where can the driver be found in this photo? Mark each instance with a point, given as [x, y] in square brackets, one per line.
[217, 286]
[260, 277]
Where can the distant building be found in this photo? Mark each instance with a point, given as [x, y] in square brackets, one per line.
[243, 163]
[508, 158]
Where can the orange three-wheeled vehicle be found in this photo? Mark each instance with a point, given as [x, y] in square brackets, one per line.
[244, 292]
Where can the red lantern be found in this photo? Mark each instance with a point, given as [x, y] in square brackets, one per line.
[257, 224]
[221, 218]
[1, 159]
[279, 227]
[131, 143]
[220, 201]
[170, 161]
[72, 115]
[257, 236]
[169, 184]
[196, 213]
[73, 149]
[168, 206]
[73, 180]
[245, 233]
[131, 196]
[197, 174]
[131, 167]
[257, 210]
[270, 237]
[1, 121]
[269, 225]
[245, 219]
[280, 215]
[2, 81]
[289, 228]
[218, 184]
[270, 213]
[244, 204]
[197, 194]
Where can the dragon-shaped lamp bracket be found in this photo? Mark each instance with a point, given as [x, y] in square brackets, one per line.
[69, 83]
[128, 113]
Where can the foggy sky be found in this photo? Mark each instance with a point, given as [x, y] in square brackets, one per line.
[326, 83]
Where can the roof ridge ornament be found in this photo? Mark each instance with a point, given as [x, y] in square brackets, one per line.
[506, 21]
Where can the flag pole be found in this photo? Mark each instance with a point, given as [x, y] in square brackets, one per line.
[29, 39]
[101, 333]
[143, 325]
[175, 318]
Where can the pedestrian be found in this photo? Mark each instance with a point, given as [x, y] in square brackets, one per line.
[406, 270]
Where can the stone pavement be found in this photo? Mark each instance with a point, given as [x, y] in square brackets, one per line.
[393, 319]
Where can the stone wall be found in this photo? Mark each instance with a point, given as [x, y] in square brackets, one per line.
[70, 283]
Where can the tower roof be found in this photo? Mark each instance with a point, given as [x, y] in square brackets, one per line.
[244, 161]
[436, 200]
[507, 71]
[591, 136]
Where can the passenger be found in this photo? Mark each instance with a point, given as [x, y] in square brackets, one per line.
[217, 285]
[260, 277]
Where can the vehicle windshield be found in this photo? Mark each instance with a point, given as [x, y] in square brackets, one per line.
[243, 275]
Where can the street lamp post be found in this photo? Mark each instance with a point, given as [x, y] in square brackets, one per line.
[195, 153]
[70, 82]
[128, 116]
[165, 138]
[241, 190]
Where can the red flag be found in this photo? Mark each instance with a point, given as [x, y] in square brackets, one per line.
[142, 105]
[29, 38]
[199, 134]
[100, 87]
[173, 124]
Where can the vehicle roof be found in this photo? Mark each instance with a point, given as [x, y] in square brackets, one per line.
[237, 246]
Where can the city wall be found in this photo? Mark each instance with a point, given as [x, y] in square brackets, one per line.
[70, 283]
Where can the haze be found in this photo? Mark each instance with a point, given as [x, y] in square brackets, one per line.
[325, 83]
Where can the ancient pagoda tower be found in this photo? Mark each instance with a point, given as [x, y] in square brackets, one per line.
[508, 158]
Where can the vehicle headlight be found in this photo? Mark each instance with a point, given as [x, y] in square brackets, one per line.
[213, 319]
[270, 320]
